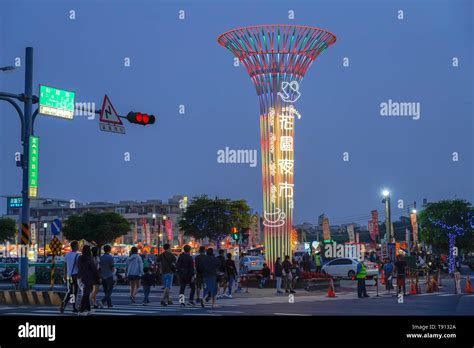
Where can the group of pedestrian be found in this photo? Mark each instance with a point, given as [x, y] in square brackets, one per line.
[87, 271]
[286, 272]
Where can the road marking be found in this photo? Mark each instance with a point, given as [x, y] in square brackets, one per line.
[230, 312]
[447, 295]
[294, 314]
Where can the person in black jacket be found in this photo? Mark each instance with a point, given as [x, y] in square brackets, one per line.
[265, 276]
[88, 276]
[148, 280]
[211, 265]
[287, 275]
[231, 274]
[199, 281]
[278, 275]
[221, 274]
[185, 266]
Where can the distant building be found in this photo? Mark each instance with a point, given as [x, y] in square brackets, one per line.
[143, 228]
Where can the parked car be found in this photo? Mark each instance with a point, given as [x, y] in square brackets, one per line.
[252, 264]
[347, 267]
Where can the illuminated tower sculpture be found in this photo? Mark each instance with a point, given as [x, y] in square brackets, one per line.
[276, 58]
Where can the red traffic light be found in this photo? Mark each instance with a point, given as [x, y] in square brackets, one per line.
[140, 118]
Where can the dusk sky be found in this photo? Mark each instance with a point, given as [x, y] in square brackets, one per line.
[177, 62]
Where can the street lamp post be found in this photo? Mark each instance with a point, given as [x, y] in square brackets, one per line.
[164, 226]
[388, 223]
[45, 226]
[154, 224]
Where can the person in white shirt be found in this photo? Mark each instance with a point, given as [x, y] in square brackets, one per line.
[71, 268]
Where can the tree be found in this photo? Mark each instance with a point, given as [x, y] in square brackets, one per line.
[438, 219]
[214, 218]
[96, 228]
[7, 229]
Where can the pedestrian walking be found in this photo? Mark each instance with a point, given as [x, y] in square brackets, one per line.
[318, 262]
[287, 275]
[107, 270]
[361, 276]
[295, 272]
[186, 274]
[221, 274]
[231, 274]
[168, 268]
[388, 274]
[211, 266]
[71, 268]
[198, 263]
[306, 259]
[148, 280]
[96, 286]
[278, 275]
[88, 276]
[133, 272]
[265, 276]
[400, 270]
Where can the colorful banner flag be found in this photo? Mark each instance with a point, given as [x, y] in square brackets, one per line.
[350, 232]
[414, 225]
[169, 229]
[375, 224]
[326, 229]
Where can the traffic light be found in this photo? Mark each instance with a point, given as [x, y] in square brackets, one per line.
[140, 118]
[235, 233]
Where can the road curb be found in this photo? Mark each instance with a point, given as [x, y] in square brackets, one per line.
[30, 298]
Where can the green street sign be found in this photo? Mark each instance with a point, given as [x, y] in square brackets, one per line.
[56, 102]
[33, 167]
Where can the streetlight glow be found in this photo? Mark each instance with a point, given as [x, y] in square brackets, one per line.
[386, 193]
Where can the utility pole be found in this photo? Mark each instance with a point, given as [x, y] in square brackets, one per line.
[26, 118]
[25, 209]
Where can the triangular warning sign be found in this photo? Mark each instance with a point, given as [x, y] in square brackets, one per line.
[108, 113]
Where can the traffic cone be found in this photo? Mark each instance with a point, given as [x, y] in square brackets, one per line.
[468, 288]
[331, 292]
[383, 278]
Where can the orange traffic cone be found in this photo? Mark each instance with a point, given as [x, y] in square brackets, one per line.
[383, 278]
[331, 292]
[468, 288]
[435, 284]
